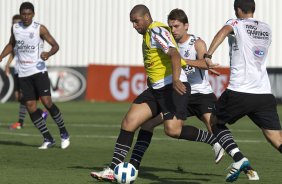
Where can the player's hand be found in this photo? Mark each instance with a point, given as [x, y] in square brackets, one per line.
[44, 56]
[214, 72]
[179, 87]
[210, 64]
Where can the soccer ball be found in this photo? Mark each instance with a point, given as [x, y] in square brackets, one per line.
[125, 173]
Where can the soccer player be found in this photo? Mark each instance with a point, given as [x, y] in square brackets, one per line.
[22, 108]
[249, 91]
[168, 90]
[27, 39]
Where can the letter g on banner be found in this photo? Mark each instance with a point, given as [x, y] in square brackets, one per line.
[119, 83]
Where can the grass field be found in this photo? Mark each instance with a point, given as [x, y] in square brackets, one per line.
[94, 127]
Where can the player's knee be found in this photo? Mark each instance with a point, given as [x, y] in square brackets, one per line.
[129, 124]
[172, 131]
[31, 106]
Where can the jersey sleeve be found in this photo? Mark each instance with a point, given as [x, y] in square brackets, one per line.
[162, 38]
[232, 22]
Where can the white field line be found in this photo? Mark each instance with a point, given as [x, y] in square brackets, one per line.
[117, 126]
[113, 137]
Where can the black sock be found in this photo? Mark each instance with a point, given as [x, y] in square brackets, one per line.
[22, 113]
[58, 118]
[142, 143]
[225, 139]
[194, 134]
[40, 124]
[122, 147]
[280, 148]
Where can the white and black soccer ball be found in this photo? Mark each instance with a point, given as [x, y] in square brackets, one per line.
[125, 173]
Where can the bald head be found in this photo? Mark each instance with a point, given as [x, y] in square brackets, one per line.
[141, 10]
[141, 18]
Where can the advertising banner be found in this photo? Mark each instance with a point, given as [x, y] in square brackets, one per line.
[125, 83]
[67, 83]
[115, 83]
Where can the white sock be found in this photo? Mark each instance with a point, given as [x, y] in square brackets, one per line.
[234, 151]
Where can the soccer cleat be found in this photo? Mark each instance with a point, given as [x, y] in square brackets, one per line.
[251, 173]
[65, 140]
[15, 126]
[106, 175]
[47, 144]
[218, 152]
[236, 168]
[44, 114]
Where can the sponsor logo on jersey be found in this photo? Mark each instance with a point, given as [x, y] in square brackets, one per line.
[234, 22]
[255, 33]
[66, 84]
[31, 35]
[186, 53]
[259, 51]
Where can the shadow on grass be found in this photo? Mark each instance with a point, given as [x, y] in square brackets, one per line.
[149, 173]
[16, 143]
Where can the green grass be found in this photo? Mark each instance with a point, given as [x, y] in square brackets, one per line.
[94, 127]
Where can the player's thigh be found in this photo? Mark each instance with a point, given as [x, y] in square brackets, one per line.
[27, 88]
[147, 97]
[201, 105]
[230, 107]
[171, 103]
[264, 112]
[136, 116]
[42, 84]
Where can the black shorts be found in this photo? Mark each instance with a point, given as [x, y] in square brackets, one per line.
[172, 103]
[260, 108]
[16, 82]
[35, 86]
[148, 97]
[200, 104]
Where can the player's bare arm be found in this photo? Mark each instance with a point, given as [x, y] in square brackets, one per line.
[176, 70]
[10, 59]
[9, 47]
[201, 49]
[217, 40]
[45, 35]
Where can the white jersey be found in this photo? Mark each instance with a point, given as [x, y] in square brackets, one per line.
[28, 49]
[197, 78]
[248, 50]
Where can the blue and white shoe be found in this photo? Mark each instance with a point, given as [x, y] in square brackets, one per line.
[65, 140]
[236, 168]
[47, 144]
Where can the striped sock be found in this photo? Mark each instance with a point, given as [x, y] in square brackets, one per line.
[143, 141]
[194, 134]
[40, 124]
[22, 113]
[225, 139]
[58, 118]
[122, 147]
